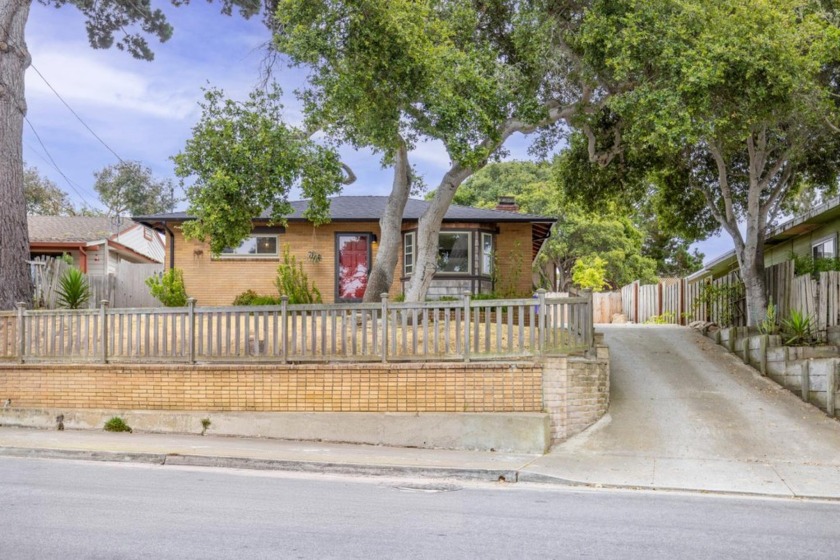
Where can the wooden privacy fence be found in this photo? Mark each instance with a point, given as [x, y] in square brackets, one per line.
[125, 288]
[385, 331]
[818, 299]
[675, 300]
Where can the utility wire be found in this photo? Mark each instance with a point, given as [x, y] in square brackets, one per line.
[54, 164]
[101, 141]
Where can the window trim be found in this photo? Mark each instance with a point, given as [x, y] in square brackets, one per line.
[242, 256]
[821, 241]
[470, 250]
[413, 245]
[482, 272]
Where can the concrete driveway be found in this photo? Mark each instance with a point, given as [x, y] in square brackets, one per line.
[686, 414]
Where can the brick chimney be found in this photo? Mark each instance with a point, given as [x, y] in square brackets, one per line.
[507, 204]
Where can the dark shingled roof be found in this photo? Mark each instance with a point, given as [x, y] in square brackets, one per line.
[72, 229]
[368, 208]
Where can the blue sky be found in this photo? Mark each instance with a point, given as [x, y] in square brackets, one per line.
[145, 110]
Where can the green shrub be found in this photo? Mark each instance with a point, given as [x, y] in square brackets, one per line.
[770, 324]
[250, 297]
[799, 329]
[73, 289]
[807, 264]
[666, 318]
[169, 288]
[205, 424]
[117, 424]
[292, 281]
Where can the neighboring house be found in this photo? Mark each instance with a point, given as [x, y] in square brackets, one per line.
[97, 244]
[813, 233]
[337, 256]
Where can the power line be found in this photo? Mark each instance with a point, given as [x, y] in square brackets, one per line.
[43, 158]
[55, 165]
[101, 141]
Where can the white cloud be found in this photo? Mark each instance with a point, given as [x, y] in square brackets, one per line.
[85, 81]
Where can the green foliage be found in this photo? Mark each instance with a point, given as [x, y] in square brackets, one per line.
[722, 297]
[807, 264]
[117, 424]
[169, 288]
[666, 318]
[205, 425]
[250, 298]
[590, 273]
[43, 197]
[770, 323]
[244, 161]
[798, 329]
[73, 289]
[292, 281]
[128, 187]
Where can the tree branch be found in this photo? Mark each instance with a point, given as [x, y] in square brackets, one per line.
[725, 190]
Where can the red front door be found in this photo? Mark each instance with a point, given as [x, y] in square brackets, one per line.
[352, 265]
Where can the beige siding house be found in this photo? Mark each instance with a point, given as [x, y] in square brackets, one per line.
[337, 256]
[97, 244]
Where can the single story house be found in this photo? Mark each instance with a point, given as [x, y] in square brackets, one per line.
[97, 244]
[337, 256]
[813, 233]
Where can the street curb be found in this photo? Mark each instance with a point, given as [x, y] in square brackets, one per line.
[175, 459]
[483, 475]
[84, 455]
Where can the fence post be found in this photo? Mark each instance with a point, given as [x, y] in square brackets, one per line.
[284, 327]
[806, 380]
[831, 391]
[467, 325]
[762, 348]
[21, 329]
[541, 313]
[191, 319]
[590, 319]
[384, 297]
[103, 318]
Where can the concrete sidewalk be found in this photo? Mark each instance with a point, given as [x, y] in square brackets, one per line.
[562, 467]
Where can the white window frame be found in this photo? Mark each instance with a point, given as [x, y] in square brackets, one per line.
[257, 236]
[409, 249]
[822, 241]
[482, 237]
[467, 272]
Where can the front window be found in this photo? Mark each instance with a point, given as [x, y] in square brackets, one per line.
[486, 254]
[453, 252]
[254, 246]
[408, 253]
[825, 248]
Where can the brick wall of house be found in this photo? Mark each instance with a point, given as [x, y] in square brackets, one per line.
[218, 281]
[513, 256]
[444, 387]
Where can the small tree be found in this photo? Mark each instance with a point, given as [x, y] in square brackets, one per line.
[43, 197]
[590, 273]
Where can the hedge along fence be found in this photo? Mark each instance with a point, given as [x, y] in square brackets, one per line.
[442, 330]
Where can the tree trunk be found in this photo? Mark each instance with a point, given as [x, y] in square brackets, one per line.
[427, 233]
[390, 228]
[15, 284]
[751, 265]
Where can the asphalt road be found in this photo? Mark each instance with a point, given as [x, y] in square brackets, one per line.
[66, 509]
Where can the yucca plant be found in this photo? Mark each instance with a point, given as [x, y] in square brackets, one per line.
[73, 289]
[798, 328]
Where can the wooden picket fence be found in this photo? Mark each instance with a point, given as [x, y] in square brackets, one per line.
[386, 331]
